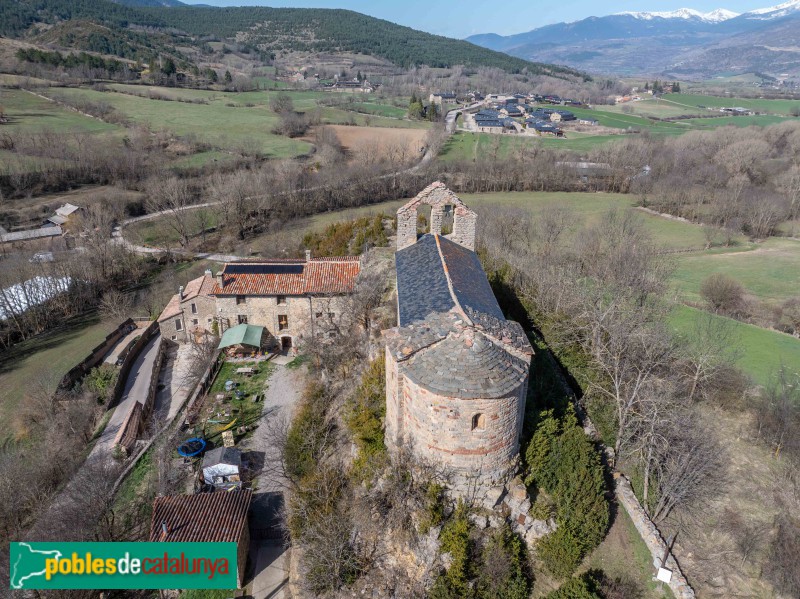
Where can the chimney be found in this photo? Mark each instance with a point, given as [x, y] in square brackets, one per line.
[308, 255]
[207, 273]
[180, 293]
[164, 530]
[219, 280]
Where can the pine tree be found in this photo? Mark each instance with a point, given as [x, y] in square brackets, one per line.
[228, 77]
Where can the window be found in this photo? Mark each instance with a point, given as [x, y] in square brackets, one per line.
[178, 324]
[318, 314]
[194, 308]
[283, 322]
[195, 321]
[478, 422]
[240, 299]
[331, 315]
[281, 299]
[208, 320]
[242, 318]
[174, 337]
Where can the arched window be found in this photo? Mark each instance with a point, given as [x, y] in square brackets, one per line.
[478, 422]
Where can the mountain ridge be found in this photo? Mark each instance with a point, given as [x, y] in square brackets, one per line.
[685, 42]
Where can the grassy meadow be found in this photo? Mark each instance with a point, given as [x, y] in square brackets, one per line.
[43, 360]
[760, 352]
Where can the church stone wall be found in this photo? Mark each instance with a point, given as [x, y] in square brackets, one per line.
[441, 428]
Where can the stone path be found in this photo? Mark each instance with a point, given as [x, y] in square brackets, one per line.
[119, 347]
[175, 378]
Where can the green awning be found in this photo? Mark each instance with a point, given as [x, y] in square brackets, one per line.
[242, 334]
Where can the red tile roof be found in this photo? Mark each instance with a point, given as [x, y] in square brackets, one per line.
[199, 286]
[173, 308]
[290, 277]
[205, 517]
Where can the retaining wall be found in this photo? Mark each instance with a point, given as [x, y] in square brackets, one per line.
[96, 355]
[130, 358]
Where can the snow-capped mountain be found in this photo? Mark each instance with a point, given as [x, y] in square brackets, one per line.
[683, 43]
[774, 12]
[715, 16]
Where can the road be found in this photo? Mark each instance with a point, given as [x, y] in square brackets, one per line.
[118, 237]
[268, 553]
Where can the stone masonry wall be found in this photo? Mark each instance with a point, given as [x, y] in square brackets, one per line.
[306, 316]
[440, 428]
[437, 196]
[651, 537]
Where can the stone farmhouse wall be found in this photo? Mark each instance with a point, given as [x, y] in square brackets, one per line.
[441, 429]
[306, 316]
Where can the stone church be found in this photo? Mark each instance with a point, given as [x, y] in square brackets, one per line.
[456, 369]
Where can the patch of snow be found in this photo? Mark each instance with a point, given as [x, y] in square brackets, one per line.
[715, 16]
[774, 12]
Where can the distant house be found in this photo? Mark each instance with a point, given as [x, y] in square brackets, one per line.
[222, 468]
[489, 126]
[440, 98]
[587, 121]
[63, 215]
[543, 127]
[511, 110]
[220, 517]
[563, 115]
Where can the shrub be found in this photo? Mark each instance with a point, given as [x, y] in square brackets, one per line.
[562, 460]
[434, 507]
[364, 419]
[455, 540]
[101, 380]
[583, 587]
[305, 439]
[723, 293]
[504, 572]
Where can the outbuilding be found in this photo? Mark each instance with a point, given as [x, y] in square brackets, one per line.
[222, 468]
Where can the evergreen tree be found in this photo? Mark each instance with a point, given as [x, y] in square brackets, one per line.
[168, 67]
[228, 77]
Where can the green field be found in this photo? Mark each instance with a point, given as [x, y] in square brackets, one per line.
[43, 359]
[769, 270]
[32, 113]
[463, 145]
[215, 123]
[780, 107]
[762, 352]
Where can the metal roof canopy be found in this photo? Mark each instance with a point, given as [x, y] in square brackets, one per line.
[242, 334]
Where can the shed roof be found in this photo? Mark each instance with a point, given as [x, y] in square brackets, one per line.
[206, 517]
[242, 334]
[222, 455]
[67, 209]
[53, 231]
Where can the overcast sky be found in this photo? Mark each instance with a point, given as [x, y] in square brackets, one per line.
[464, 18]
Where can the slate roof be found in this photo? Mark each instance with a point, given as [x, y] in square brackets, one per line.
[422, 286]
[222, 455]
[467, 365]
[206, 517]
[289, 277]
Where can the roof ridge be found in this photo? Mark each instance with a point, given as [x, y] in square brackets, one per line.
[450, 282]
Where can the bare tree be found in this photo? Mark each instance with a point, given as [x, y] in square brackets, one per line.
[172, 198]
[723, 294]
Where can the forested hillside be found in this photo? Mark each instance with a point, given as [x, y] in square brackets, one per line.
[284, 29]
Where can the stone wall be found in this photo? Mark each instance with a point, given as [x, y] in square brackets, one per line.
[441, 429]
[651, 537]
[438, 197]
[306, 316]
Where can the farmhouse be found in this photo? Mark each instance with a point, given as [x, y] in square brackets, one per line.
[442, 98]
[456, 369]
[292, 299]
[62, 215]
[204, 518]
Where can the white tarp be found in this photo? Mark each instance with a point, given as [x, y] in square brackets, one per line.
[18, 298]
